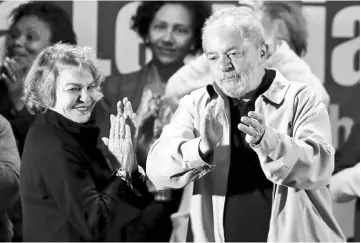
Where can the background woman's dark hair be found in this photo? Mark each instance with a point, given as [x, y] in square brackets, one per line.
[58, 20]
[291, 14]
[147, 10]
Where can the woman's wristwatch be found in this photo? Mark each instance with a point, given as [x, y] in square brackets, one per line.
[127, 178]
[122, 174]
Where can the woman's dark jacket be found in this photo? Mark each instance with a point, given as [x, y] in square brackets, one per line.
[68, 190]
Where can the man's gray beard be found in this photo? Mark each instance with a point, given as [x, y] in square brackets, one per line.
[239, 87]
[233, 89]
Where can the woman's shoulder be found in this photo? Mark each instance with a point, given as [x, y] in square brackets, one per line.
[41, 131]
[129, 85]
[48, 147]
[135, 75]
[40, 148]
[45, 138]
[114, 83]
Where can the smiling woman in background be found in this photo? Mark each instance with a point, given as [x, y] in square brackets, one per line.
[172, 31]
[33, 26]
[71, 187]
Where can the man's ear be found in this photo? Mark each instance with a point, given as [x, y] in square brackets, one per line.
[263, 52]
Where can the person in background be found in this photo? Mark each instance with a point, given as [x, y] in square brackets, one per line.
[33, 26]
[9, 177]
[254, 147]
[74, 187]
[286, 39]
[345, 182]
[345, 187]
[172, 31]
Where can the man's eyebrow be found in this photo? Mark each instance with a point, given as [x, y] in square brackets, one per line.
[231, 48]
[227, 50]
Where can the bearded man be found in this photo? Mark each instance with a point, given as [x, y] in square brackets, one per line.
[253, 148]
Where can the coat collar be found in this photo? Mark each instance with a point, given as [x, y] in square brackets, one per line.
[275, 93]
[85, 133]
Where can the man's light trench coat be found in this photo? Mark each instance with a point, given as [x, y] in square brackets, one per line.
[295, 154]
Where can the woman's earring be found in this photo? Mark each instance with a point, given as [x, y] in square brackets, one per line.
[146, 42]
[193, 48]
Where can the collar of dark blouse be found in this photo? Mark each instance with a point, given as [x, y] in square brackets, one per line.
[86, 133]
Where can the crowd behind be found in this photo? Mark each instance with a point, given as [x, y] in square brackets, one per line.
[72, 140]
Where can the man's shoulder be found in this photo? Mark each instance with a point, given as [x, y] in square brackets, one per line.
[294, 88]
[196, 99]
[304, 98]
[197, 95]
[281, 80]
[304, 92]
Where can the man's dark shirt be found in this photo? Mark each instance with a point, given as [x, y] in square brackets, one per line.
[249, 194]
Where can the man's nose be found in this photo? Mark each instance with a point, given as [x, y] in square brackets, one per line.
[225, 64]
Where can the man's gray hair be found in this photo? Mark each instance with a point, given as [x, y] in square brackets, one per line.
[242, 19]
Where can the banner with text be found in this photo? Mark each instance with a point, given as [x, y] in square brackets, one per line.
[333, 52]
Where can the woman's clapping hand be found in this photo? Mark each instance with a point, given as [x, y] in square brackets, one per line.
[122, 136]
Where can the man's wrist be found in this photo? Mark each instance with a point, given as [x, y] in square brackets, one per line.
[204, 151]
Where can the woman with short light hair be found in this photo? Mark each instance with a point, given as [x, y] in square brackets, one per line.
[73, 187]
